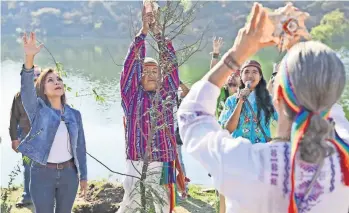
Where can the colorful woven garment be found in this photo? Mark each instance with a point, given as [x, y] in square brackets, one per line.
[168, 178]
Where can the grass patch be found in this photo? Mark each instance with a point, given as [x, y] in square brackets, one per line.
[197, 192]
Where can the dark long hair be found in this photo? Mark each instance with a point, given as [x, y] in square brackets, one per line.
[263, 99]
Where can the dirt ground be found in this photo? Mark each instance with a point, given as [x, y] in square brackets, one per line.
[104, 197]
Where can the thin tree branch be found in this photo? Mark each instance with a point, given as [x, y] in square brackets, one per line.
[119, 65]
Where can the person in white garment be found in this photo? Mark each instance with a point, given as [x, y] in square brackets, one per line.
[304, 168]
[182, 92]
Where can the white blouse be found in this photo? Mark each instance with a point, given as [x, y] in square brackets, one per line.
[254, 178]
[61, 148]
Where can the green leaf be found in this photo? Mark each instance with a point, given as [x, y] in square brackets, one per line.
[99, 99]
[59, 66]
[332, 29]
[26, 160]
[69, 89]
[186, 4]
[98, 25]
[98, 49]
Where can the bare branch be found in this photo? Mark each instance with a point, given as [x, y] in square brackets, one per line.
[119, 65]
[183, 20]
[190, 50]
[119, 173]
[173, 16]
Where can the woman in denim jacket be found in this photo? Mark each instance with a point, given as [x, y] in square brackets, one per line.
[56, 141]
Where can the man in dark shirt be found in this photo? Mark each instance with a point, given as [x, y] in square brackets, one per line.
[19, 128]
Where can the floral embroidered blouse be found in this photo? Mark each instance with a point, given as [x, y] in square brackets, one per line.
[256, 178]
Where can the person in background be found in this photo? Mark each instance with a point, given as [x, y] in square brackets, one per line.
[230, 88]
[56, 140]
[183, 91]
[19, 128]
[249, 113]
[305, 167]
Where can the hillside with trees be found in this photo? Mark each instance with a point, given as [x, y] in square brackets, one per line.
[114, 19]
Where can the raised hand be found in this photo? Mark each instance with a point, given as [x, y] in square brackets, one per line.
[286, 26]
[29, 44]
[248, 41]
[147, 19]
[217, 44]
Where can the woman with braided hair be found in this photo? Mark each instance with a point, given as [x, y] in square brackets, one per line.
[305, 169]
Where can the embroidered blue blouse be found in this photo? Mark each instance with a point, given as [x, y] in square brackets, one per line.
[247, 127]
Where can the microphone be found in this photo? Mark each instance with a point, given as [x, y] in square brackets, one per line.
[248, 84]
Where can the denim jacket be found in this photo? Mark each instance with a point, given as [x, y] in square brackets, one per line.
[44, 122]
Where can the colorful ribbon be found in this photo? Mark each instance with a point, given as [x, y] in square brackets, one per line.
[299, 127]
[169, 179]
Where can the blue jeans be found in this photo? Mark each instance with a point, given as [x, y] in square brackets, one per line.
[26, 193]
[26, 175]
[53, 190]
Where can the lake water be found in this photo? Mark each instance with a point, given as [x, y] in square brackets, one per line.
[89, 65]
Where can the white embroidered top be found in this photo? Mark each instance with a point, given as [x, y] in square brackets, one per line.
[255, 178]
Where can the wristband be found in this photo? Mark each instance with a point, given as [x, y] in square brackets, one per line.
[230, 62]
[215, 55]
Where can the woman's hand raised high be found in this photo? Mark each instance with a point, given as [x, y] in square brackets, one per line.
[30, 49]
[29, 44]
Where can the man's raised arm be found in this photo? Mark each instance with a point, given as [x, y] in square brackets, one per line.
[131, 74]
